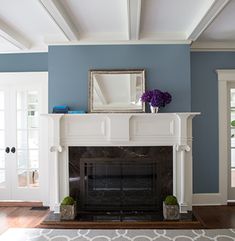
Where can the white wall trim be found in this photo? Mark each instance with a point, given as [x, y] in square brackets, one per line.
[123, 42]
[212, 46]
[207, 199]
[224, 78]
[227, 75]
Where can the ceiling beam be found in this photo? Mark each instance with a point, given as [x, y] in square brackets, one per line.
[204, 21]
[133, 18]
[61, 18]
[13, 37]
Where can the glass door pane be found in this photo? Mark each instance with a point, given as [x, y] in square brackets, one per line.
[2, 141]
[27, 139]
[232, 135]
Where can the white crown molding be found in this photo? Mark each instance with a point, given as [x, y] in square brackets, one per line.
[164, 36]
[125, 42]
[133, 16]
[81, 43]
[212, 46]
[13, 37]
[204, 21]
[102, 36]
[62, 20]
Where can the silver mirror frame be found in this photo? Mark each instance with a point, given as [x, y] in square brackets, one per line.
[113, 71]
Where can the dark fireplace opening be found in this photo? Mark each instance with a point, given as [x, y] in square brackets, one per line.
[117, 180]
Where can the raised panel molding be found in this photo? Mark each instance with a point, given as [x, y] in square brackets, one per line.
[72, 127]
[147, 127]
[118, 128]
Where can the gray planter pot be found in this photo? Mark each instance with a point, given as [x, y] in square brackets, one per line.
[171, 212]
[68, 212]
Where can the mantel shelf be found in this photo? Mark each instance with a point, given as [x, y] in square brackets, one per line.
[98, 114]
[56, 115]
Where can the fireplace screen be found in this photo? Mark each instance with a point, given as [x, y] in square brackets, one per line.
[120, 178]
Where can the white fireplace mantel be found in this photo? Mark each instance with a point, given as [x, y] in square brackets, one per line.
[121, 129]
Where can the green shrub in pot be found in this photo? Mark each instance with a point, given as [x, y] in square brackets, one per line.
[171, 200]
[171, 208]
[68, 201]
[68, 209]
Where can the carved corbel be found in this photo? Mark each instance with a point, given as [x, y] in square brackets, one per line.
[56, 148]
[185, 148]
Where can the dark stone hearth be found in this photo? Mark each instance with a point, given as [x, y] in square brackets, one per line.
[120, 178]
[112, 220]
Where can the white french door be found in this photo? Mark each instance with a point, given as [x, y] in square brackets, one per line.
[4, 129]
[231, 141]
[23, 163]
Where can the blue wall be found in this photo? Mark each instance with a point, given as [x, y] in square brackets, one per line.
[23, 62]
[205, 128]
[167, 68]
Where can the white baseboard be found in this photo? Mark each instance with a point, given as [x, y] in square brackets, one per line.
[208, 199]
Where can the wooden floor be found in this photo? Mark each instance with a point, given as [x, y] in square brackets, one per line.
[20, 217]
[210, 217]
[216, 216]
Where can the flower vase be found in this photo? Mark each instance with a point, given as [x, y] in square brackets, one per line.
[154, 109]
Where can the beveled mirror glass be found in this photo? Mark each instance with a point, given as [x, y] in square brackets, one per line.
[116, 90]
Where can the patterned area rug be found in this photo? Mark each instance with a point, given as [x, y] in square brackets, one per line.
[20, 234]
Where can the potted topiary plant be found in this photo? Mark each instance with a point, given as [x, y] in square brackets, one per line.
[171, 208]
[68, 209]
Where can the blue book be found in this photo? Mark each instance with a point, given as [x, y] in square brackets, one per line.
[60, 109]
[76, 112]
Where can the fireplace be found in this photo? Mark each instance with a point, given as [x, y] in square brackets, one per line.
[92, 179]
[120, 178]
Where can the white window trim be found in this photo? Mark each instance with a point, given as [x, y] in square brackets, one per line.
[225, 77]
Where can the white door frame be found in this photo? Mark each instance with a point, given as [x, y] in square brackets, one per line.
[225, 76]
[41, 78]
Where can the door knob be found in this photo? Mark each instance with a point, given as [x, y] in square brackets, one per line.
[13, 149]
[7, 150]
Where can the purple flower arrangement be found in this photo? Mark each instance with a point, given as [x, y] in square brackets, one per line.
[156, 98]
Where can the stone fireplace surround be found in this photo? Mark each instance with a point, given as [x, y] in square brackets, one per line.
[121, 129]
[120, 179]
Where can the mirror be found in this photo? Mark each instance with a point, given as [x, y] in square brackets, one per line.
[116, 90]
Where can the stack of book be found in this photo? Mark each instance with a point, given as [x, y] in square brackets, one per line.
[64, 109]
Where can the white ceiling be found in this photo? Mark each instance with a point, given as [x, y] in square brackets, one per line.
[221, 32]
[32, 25]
